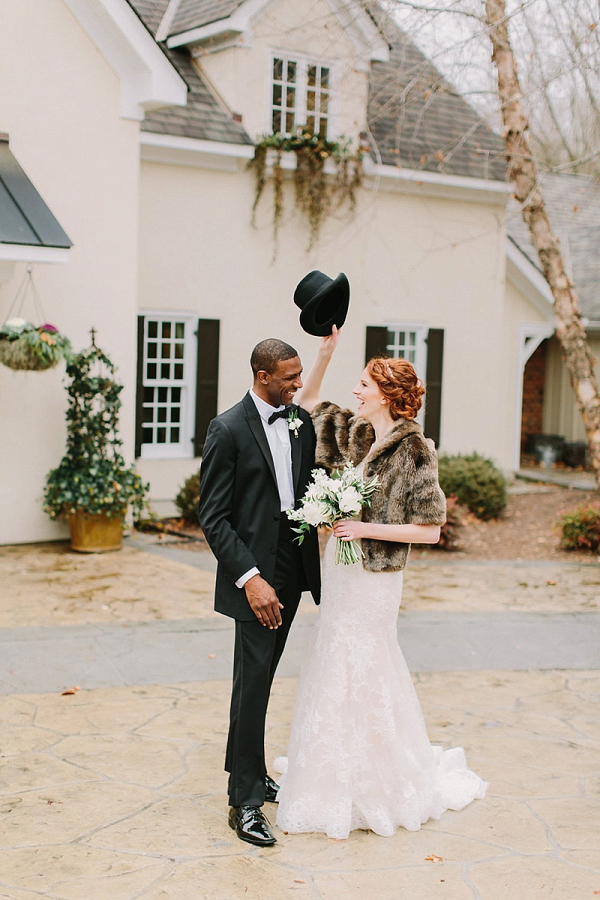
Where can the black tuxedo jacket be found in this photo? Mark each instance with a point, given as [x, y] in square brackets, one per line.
[239, 502]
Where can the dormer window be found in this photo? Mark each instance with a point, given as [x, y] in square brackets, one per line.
[300, 96]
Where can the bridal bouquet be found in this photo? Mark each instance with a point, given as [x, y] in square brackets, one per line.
[330, 498]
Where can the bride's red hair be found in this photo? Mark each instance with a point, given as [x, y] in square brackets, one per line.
[398, 382]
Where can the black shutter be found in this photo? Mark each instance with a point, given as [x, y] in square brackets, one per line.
[139, 387]
[376, 344]
[433, 398]
[207, 379]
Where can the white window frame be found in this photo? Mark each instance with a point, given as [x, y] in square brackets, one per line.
[421, 332]
[184, 448]
[301, 113]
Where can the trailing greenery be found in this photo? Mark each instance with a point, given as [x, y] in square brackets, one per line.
[92, 476]
[25, 347]
[580, 528]
[188, 498]
[316, 196]
[452, 527]
[476, 483]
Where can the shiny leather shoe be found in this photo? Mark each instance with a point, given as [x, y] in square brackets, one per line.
[251, 825]
[271, 790]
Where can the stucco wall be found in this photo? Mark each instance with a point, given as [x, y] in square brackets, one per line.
[242, 75]
[61, 110]
[409, 257]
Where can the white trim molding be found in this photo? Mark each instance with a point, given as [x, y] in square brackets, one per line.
[148, 80]
[521, 272]
[530, 338]
[358, 25]
[172, 149]
[29, 253]
[379, 176]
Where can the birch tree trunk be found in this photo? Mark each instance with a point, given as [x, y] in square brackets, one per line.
[523, 173]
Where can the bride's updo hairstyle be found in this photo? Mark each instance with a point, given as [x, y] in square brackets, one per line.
[398, 382]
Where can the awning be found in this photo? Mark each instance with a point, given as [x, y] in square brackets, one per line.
[28, 228]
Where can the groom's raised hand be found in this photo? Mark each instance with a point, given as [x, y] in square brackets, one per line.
[263, 601]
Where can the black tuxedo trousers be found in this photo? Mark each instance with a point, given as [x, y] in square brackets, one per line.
[240, 514]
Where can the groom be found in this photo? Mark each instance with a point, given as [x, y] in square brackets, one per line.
[256, 464]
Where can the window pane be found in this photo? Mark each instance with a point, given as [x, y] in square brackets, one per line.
[148, 414]
[165, 370]
[162, 414]
[180, 330]
[310, 124]
[324, 103]
[290, 98]
[152, 329]
[323, 127]
[178, 351]
[276, 95]
[174, 435]
[291, 71]
[166, 351]
[161, 435]
[312, 75]
[324, 78]
[147, 436]
[163, 394]
[175, 414]
[411, 356]
[178, 371]
[276, 122]
[148, 395]
[152, 351]
[277, 69]
[401, 338]
[151, 371]
[412, 338]
[175, 395]
[310, 100]
[166, 329]
[289, 123]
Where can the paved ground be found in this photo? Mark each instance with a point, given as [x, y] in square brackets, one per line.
[116, 791]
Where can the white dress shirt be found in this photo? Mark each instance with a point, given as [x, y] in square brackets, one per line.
[278, 437]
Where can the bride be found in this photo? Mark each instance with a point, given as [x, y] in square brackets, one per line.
[359, 755]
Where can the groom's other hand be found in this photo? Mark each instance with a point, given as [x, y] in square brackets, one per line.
[263, 601]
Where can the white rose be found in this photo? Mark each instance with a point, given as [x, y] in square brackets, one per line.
[315, 512]
[16, 322]
[349, 500]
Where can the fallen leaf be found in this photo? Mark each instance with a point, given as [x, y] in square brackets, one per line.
[72, 690]
[299, 881]
[433, 858]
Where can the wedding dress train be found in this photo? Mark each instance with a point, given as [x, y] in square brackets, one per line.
[359, 755]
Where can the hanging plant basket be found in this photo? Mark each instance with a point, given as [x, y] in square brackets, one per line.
[25, 347]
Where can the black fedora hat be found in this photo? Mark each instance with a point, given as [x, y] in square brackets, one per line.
[323, 301]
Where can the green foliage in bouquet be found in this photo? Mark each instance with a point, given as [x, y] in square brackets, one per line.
[25, 347]
[580, 528]
[188, 498]
[92, 476]
[476, 483]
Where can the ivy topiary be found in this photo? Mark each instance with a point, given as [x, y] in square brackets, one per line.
[188, 497]
[476, 483]
[580, 528]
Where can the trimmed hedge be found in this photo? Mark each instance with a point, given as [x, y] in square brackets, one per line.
[580, 528]
[188, 498]
[476, 483]
[452, 527]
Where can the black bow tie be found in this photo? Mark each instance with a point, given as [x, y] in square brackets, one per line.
[281, 413]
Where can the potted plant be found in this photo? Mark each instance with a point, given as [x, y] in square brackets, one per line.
[25, 346]
[93, 487]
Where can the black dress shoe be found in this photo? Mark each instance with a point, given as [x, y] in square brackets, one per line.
[251, 825]
[271, 790]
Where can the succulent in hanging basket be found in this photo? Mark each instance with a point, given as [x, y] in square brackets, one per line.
[92, 476]
[27, 347]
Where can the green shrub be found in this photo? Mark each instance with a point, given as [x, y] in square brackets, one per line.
[187, 499]
[476, 483]
[450, 532]
[580, 528]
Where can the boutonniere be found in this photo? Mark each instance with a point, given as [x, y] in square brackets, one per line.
[294, 422]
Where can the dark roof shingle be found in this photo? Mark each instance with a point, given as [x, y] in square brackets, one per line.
[573, 205]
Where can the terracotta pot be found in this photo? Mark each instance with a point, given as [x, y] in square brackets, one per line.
[95, 533]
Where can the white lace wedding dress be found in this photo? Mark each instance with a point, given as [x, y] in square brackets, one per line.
[359, 755]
